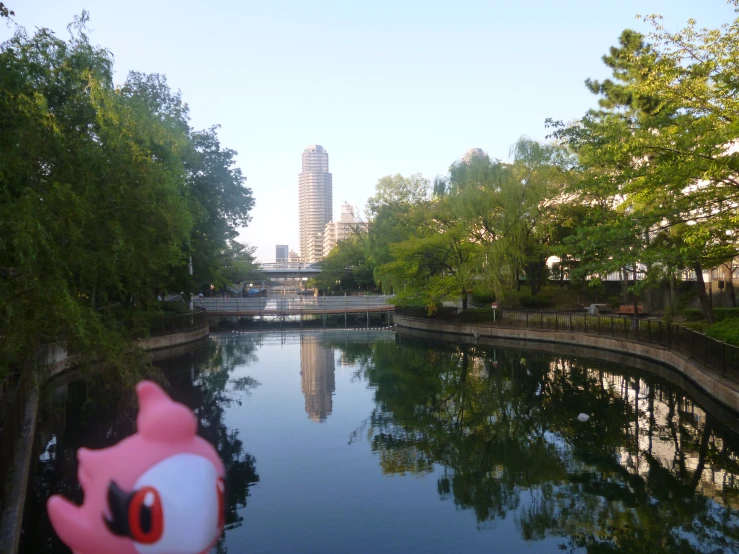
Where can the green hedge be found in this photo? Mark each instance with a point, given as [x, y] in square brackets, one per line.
[693, 314]
[726, 331]
[720, 314]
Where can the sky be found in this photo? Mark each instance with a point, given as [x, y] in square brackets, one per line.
[387, 87]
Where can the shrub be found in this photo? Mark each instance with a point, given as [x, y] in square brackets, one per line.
[174, 307]
[536, 302]
[720, 314]
[693, 314]
[726, 331]
[474, 316]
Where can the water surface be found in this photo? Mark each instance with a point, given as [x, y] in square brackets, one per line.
[353, 441]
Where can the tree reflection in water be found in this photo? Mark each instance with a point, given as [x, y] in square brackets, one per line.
[87, 413]
[647, 472]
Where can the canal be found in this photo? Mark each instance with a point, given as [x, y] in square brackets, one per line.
[361, 441]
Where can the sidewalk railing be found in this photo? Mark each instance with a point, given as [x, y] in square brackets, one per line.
[716, 355]
[166, 325]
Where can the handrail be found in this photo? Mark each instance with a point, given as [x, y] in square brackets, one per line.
[714, 354]
[168, 324]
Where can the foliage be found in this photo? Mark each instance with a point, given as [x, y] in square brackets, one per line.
[466, 409]
[104, 192]
[659, 159]
[691, 314]
[346, 267]
[726, 330]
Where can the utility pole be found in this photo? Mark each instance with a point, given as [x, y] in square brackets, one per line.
[189, 267]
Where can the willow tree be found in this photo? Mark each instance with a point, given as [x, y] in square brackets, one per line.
[509, 209]
[439, 262]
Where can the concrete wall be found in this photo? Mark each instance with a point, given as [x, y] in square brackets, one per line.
[723, 390]
[176, 339]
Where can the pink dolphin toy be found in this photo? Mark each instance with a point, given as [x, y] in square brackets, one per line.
[159, 491]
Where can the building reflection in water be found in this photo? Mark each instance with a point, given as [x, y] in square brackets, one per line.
[317, 381]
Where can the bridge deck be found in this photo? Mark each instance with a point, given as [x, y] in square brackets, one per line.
[280, 306]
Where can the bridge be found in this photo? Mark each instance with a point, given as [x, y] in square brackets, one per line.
[289, 270]
[295, 305]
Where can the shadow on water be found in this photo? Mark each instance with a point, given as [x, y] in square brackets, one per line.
[649, 472]
[87, 413]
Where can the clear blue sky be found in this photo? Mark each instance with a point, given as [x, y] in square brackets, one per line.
[386, 86]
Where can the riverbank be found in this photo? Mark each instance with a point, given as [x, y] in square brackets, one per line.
[720, 389]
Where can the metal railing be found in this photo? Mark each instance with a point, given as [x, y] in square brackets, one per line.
[296, 304]
[714, 354]
[14, 393]
[168, 324]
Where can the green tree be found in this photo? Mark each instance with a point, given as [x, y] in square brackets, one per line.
[393, 219]
[438, 262]
[104, 193]
[661, 154]
[346, 266]
[510, 209]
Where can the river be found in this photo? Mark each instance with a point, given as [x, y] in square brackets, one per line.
[361, 441]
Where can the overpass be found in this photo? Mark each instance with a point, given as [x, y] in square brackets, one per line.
[288, 270]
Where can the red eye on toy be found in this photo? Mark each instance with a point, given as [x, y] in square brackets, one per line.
[221, 489]
[145, 516]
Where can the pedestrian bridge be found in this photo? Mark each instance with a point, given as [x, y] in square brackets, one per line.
[295, 305]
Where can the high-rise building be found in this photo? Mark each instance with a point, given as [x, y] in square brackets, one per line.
[315, 197]
[282, 252]
[473, 153]
[347, 226]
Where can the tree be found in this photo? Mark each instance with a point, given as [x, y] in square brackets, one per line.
[393, 219]
[439, 262]
[5, 11]
[104, 193]
[346, 266]
[661, 151]
[510, 208]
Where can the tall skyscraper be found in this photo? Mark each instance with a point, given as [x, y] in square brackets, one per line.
[281, 253]
[473, 153]
[315, 197]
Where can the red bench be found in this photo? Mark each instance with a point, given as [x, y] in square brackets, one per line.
[629, 309]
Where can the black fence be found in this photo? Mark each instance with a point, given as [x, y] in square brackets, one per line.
[166, 325]
[717, 355]
[14, 393]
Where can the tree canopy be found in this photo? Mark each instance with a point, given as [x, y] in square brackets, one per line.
[105, 192]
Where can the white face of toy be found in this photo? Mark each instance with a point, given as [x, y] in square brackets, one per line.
[177, 506]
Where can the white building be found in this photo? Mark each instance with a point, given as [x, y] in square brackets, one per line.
[347, 226]
[315, 197]
[473, 153]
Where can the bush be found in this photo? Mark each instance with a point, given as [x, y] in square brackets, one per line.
[726, 331]
[693, 314]
[720, 314]
[536, 302]
[174, 307]
[475, 316]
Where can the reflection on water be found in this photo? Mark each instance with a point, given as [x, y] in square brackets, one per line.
[455, 448]
[650, 470]
[316, 377]
[88, 413]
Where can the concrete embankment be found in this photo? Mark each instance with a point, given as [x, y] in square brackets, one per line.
[687, 373]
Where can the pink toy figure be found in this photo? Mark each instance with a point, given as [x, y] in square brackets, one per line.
[159, 491]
